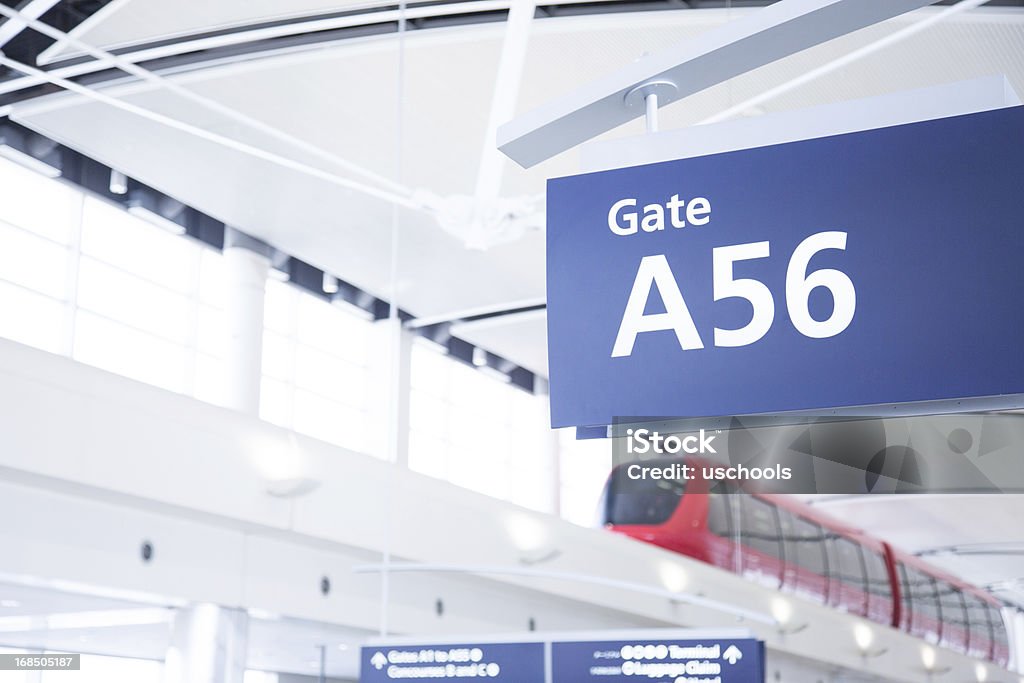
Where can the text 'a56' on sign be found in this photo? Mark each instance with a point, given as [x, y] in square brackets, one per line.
[871, 268]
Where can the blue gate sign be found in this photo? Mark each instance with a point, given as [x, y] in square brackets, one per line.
[508, 662]
[674, 661]
[872, 268]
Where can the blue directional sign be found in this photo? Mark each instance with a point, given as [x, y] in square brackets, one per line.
[871, 268]
[692, 661]
[507, 662]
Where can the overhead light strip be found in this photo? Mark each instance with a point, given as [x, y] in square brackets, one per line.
[210, 136]
[132, 68]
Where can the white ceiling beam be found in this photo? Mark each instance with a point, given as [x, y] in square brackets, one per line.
[264, 33]
[505, 307]
[33, 10]
[313, 25]
[107, 58]
[505, 95]
[819, 121]
[845, 60]
[216, 138]
[757, 39]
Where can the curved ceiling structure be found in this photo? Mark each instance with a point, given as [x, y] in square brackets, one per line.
[341, 94]
[413, 113]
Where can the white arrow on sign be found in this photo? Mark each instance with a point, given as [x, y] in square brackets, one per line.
[379, 660]
[732, 654]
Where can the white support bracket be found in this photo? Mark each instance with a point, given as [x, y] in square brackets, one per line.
[762, 37]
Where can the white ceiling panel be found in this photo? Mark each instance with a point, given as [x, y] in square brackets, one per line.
[344, 98]
[521, 337]
[123, 23]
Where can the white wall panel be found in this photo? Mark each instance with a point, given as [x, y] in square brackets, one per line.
[92, 464]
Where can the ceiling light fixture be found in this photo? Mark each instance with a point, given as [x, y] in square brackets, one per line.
[28, 161]
[673, 577]
[330, 284]
[292, 488]
[262, 614]
[928, 657]
[157, 210]
[118, 182]
[864, 636]
[782, 611]
[495, 373]
[30, 151]
[157, 220]
[528, 533]
[280, 266]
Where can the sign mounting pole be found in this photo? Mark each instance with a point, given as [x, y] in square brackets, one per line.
[762, 37]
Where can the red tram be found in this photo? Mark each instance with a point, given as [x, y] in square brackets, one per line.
[788, 545]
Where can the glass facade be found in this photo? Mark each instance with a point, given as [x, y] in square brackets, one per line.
[84, 278]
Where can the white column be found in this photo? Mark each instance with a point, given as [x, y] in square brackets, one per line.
[390, 371]
[208, 642]
[552, 449]
[208, 645]
[247, 263]
[553, 452]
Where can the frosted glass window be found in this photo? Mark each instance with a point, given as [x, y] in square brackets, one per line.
[127, 298]
[471, 426]
[330, 376]
[477, 431]
[428, 454]
[330, 421]
[278, 355]
[431, 370]
[211, 278]
[32, 319]
[430, 416]
[38, 204]
[276, 400]
[279, 307]
[113, 235]
[34, 262]
[211, 331]
[130, 352]
[336, 330]
[585, 466]
[82, 276]
[210, 378]
[315, 367]
[38, 219]
[476, 469]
